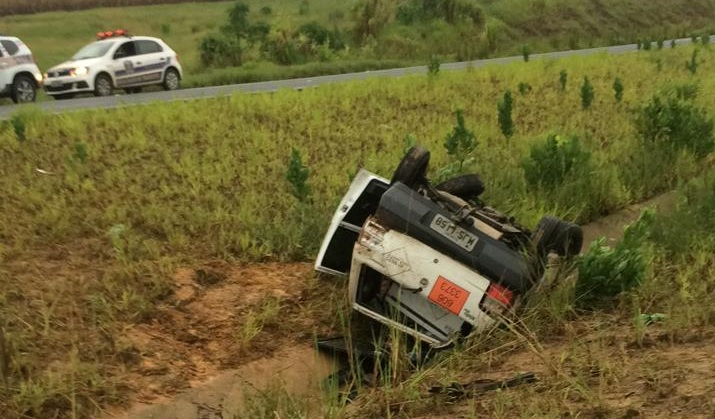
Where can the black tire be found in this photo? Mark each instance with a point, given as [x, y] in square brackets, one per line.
[555, 235]
[413, 167]
[63, 96]
[171, 81]
[103, 85]
[464, 186]
[24, 89]
[570, 238]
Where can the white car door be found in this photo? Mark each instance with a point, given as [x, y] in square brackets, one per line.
[122, 65]
[359, 202]
[149, 62]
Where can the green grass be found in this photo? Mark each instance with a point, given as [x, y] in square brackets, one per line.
[134, 194]
[543, 25]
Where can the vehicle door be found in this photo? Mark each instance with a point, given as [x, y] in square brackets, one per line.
[149, 62]
[361, 201]
[5, 68]
[122, 65]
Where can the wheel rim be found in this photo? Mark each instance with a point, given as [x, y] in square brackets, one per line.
[104, 88]
[25, 91]
[171, 80]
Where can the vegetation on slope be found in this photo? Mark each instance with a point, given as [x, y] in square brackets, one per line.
[318, 36]
[89, 247]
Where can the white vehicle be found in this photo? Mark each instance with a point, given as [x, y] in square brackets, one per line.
[115, 61]
[19, 76]
[434, 261]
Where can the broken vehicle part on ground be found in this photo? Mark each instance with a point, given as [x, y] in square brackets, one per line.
[435, 261]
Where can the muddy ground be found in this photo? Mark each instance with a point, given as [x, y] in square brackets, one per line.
[193, 361]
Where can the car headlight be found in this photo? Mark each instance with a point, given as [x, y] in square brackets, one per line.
[79, 71]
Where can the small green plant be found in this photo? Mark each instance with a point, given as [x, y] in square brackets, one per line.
[605, 272]
[672, 43]
[563, 77]
[255, 320]
[692, 64]
[659, 43]
[504, 108]
[117, 238]
[586, 93]
[19, 126]
[524, 88]
[551, 161]
[675, 123]
[297, 176]
[165, 28]
[705, 39]
[525, 52]
[618, 89]
[460, 143]
[433, 66]
[304, 8]
[80, 152]
[638, 44]
[646, 45]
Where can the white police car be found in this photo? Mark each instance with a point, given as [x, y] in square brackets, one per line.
[19, 75]
[116, 61]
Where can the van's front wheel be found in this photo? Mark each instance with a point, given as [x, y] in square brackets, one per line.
[23, 89]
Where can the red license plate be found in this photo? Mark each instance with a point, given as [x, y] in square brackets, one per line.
[448, 295]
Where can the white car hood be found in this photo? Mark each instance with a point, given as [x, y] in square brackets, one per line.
[87, 62]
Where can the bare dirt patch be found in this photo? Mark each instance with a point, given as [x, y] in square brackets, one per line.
[198, 338]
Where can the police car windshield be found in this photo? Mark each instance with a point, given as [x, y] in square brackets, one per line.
[93, 50]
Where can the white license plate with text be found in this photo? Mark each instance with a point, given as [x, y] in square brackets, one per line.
[455, 233]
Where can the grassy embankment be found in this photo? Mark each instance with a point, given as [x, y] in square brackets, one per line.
[507, 27]
[132, 195]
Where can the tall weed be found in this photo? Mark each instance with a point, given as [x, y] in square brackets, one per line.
[604, 272]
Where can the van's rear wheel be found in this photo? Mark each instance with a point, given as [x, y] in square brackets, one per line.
[464, 186]
[555, 235]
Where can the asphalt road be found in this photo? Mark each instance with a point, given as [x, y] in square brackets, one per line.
[54, 106]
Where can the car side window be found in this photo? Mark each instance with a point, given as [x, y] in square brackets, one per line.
[127, 49]
[10, 47]
[148, 47]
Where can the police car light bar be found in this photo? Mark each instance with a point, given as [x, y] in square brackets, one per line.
[111, 34]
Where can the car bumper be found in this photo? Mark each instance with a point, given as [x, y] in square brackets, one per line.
[62, 85]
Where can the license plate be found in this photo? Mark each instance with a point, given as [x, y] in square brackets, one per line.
[455, 233]
[449, 295]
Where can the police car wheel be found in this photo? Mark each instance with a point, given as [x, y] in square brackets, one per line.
[23, 89]
[171, 80]
[413, 167]
[102, 85]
